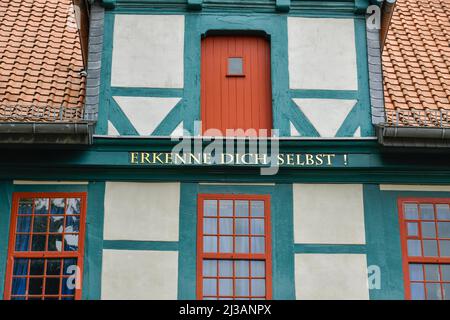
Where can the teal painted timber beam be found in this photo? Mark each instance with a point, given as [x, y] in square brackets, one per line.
[195, 4]
[109, 4]
[283, 5]
[361, 6]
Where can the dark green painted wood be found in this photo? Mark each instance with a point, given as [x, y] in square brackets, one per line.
[330, 248]
[140, 245]
[6, 189]
[187, 263]
[93, 253]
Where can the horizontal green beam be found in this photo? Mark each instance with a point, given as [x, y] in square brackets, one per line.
[329, 248]
[140, 245]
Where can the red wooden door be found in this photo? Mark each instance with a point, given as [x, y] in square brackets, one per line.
[236, 88]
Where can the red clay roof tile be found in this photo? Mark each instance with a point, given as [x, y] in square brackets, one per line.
[40, 62]
[416, 63]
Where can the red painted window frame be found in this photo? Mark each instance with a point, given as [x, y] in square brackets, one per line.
[267, 256]
[403, 235]
[12, 254]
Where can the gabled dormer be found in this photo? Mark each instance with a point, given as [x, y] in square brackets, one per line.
[164, 68]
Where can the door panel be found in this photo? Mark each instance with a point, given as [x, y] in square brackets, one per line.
[230, 100]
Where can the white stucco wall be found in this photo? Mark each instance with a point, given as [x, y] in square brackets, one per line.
[328, 213]
[322, 54]
[146, 113]
[138, 275]
[141, 211]
[326, 115]
[331, 276]
[148, 51]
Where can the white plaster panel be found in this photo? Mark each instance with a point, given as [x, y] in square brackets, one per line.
[139, 275]
[112, 131]
[329, 213]
[331, 277]
[142, 211]
[326, 115]
[322, 54]
[146, 113]
[148, 51]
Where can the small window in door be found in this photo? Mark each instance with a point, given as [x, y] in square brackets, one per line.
[235, 67]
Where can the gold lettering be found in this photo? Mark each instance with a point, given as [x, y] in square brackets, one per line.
[309, 160]
[329, 156]
[134, 157]
[196, 159]
[280, 160]
[290, 159]
[319, 160]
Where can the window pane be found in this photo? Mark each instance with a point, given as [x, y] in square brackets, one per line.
[242, 267]
[428, 230]
[210, 225]
[443, 211]
[433, 291]
[415, 272]
[52, 285]
[242, 287]
[226, 226]
[226, 208]
[25, 206]
[209, 244]
[56, 224]
[444, 245]
[53, 267]
[41, 206]
[235, 66]
[23, 224]
[258, 245]
[73, 206]
[444, 229]
[242, 226]
[426, 212]
[210, 208]
[446, 287]
[430, 248]
[411, 211]
[35, 286]
[71, 242]
[241, 208]
[72, 224]
[55, 242]
[242, 244]
[258, 269]
[432, 272]
[22, 242]
[68, 286]
[58, 206]
[19, 286]
[40, 224]
[209, 287]
[209, 268]
[226, 268]
[445, 271]
[258, 226]
[37, 267]
[226, 244]
[417, 291]
[414, 248]
[68, 266]
[257, 209]
[226, 287]
[38, 243]
[20, 267]
[258, 287]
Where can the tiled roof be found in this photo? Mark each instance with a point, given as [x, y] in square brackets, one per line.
[416, 63]
[40, 61]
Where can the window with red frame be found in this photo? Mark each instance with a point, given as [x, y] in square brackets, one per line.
[46, 246]
[425, 231]
[234, 251]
